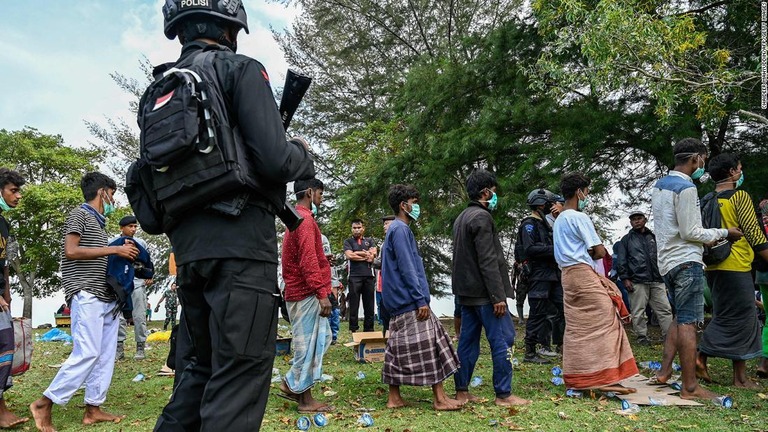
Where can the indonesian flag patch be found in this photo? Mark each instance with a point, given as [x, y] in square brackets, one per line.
[162, 100]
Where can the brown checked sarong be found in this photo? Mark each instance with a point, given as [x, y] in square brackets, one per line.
[419, 353]
[596, 350]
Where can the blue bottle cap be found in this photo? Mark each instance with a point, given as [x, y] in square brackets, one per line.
[303, 423]
[320, 420]
[625, 404]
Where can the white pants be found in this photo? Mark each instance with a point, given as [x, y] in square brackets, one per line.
[139, 299]
[94, 334]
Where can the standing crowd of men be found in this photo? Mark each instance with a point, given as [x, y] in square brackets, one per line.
[227, 275]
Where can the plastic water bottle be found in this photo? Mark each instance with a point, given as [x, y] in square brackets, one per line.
[320, 420]
[326, 378]
[138, 378]
[723, 401]
[676, 386]
[556, 371]
[303, 423]
[557, 381]
[628, 408]
[657, 401]
[676, 367]
[476, 381]
[360, 375]
[610, 395]
[365, 420]
[573, 393]
[655, 365]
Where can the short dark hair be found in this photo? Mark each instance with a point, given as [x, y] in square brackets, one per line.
[93, 181]
[356, 221]
[8, 176]
[301, 186]
[572, 182]
[478, 181]
[400, 193]
[721, 165]
[687, 148]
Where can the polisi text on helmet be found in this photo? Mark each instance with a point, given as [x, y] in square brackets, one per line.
[193, 3]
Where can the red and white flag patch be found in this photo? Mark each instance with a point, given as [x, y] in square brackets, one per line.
[162, 100]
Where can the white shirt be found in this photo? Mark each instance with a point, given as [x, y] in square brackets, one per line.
[677, 222]
[574, 233]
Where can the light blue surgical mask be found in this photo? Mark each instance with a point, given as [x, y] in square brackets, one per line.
[415, 211]
[314, 209]
[740, 181]
[583, 202]
[493, 202]
[699, 171]
[3, 205]
[109, 207]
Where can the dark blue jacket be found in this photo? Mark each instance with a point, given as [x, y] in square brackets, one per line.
[404, 285]
[124, 270]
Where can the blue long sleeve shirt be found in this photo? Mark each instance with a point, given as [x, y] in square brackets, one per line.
[404, 285]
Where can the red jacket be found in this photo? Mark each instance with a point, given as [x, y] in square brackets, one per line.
[306, 270]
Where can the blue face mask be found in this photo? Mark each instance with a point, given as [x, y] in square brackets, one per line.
[314, 209]
[493, 202]
[3, 205]
[583, 203]
[109, 207]
[740, 181]
[415, 211]
[699, 172]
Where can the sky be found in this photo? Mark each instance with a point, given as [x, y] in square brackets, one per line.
[56, 58]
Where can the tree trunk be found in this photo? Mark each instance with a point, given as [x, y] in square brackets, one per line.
[27, 282]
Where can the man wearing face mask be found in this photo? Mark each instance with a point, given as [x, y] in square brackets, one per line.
[481, 282]
[307, 276]
[680, 238]
[94, 316]
[545, 295]
[734, 332]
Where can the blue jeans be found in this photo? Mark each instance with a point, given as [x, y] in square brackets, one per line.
[501, 337]
[333, 321]
[686, 288]
[379, 317]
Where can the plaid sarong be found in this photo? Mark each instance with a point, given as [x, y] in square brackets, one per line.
[419, 353]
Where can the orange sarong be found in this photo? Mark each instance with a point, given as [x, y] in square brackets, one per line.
[596, 350]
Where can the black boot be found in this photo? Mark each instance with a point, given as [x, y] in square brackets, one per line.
[532, 357]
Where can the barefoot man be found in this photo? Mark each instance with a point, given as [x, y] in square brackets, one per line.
[419, 351]
[10, 194]
[680, 235]
[307, 276]
[94, 307]
[481, 284]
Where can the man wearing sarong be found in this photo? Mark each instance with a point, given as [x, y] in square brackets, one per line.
[596, 351]
[734, 332]
[307, 276]
[481, 284]
[419, 351]
[680, 236]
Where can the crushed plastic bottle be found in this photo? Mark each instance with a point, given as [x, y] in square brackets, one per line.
[303, 423]
[476, 381]
[557, 381]
[320, 419]
[628, 408]
[360, 375]
[676, 367]
[573, 393]
[652, 365]
[515, 362]
[556, 371]
[610, 395]
[676, 386]
[365, 420]
[658, 401]
[138, 378]
[723, 401]
[326, 378]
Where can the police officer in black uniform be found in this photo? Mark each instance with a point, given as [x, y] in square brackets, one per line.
[227, 266]
[543, 276]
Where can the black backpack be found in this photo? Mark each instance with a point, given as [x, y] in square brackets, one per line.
[189, 152]
[712, 218]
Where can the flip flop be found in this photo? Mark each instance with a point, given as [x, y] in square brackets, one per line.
[323, 409]
[654, 381]
[287, 397]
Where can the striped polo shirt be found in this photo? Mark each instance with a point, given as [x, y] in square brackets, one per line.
[85, 275]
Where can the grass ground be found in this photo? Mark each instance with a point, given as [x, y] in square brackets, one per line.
[550, 411]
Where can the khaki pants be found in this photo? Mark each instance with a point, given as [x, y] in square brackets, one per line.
[655, 294]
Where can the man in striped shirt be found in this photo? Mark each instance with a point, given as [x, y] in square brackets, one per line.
[93, 305]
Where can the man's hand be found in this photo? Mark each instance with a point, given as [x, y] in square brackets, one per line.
[500, 308]
[423, 313]
[127, 251]
[4, 306]
[325, 307]
[157, 308]
[148, 282]
[734, 234]
[628, 285]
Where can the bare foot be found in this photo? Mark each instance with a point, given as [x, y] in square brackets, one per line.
[314, 407]
[41, 412]
[94, 414]
[699, 393]
[397, 403]
[447, 404]
[9, 420]
[702, 372]
[747, 384]
[465, 397]
[618, 388]
[512, 400]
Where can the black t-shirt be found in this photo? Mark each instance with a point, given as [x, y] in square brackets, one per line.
[4, 234]
[359, 268]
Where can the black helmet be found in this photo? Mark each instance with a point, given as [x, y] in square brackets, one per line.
[174, 11]
[539, 197]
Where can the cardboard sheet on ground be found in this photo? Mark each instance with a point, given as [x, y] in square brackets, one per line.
[644, 390]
